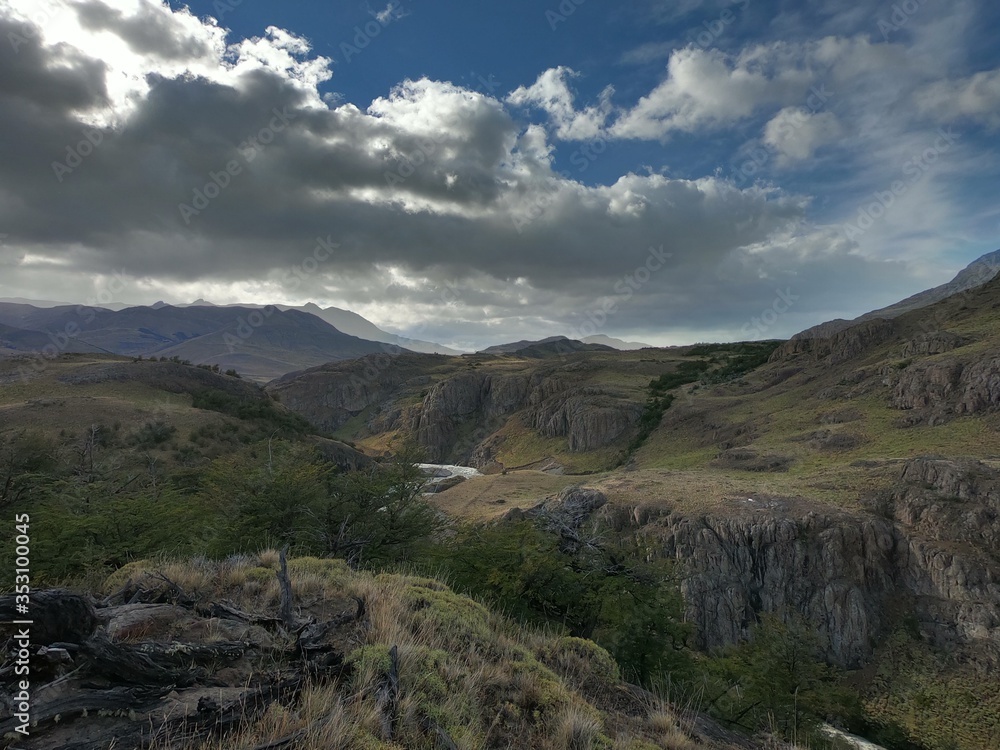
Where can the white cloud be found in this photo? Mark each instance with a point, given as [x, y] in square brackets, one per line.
[976, 97]
[796, 132]
[648, 53]
[552, 94]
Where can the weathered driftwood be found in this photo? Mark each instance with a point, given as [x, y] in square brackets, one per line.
[285, 611]
[90, 701]
[57, 615]
[143, 673]
[312, 637]
[225, 611]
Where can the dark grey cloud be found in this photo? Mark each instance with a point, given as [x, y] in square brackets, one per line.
[54, 80]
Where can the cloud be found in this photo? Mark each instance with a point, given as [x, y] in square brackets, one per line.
[443, 206]
[648, 53]
[703, 88]
[976, 97]
[796, 132]
[552, 94]
[391, 12]
[152, 30]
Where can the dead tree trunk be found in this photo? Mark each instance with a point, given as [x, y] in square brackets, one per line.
[285, 612]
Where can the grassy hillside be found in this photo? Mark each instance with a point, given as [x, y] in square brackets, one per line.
[467, 675]
[120, 459]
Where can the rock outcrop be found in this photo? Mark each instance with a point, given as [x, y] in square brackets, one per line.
[588, 419]
[935, 342]
[841, 346]
[451, 416]
[930, 549]
[833, 570]
[950, 386]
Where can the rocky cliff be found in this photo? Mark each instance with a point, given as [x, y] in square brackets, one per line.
[929, 549]
[840, 346]
[947, 386]
[452, 408]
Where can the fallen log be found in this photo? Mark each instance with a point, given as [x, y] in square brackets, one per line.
[57, 615]
[90, 701]
[225, 611]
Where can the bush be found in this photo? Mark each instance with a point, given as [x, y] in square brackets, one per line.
[153, 433]
[607, 594]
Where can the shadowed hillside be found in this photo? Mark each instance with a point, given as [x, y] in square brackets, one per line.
[261, 344]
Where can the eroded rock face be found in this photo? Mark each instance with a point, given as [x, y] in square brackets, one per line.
[588, 419]
[841, 346]
[935, 342]
[925, 385]
[950, 386]
[979, 386]
[931, 548]
[836, 572]
[455, 416]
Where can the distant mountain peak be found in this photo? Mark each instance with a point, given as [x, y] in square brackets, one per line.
[544, 347]
[614, 343]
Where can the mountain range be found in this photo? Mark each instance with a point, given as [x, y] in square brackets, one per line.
[259, 343]
[266, 342]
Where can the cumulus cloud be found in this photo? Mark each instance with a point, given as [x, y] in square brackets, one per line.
[551, 93]
[200, 167]
[795, 133]
[706, 88]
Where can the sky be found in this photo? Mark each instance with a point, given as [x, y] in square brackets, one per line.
[479, 172]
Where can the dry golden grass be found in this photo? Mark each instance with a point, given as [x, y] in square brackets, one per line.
[577, 729]
[464, 669]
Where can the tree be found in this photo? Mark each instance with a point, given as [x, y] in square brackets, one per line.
[377, 515]
[779, 680]
[25, 457]
[263, 495]
[604, 591]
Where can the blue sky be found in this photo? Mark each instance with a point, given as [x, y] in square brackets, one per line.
[491, 171]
